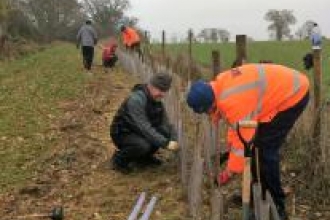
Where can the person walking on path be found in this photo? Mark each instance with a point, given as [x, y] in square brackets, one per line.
[87, 39]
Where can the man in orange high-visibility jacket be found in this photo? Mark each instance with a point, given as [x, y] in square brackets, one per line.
[274, 96]
[131, 39]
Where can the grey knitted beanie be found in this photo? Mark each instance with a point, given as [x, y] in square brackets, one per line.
[161, 81]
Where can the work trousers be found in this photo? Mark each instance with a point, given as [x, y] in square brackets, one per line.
[88, 56]
[132, 147]
[269, 138]
[110, 62]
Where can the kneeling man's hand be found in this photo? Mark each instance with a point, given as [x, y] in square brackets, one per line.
[173, 145]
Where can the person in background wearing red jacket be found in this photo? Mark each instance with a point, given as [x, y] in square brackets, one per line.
[109, 57]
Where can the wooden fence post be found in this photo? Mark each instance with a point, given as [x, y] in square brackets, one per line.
[241, 55]
[147, 45]
[163, 45]
[216, 62]
[189, 55]
[317, 96]
[196, 177]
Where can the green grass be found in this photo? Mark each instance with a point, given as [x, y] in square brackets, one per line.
[30, 90]
[289, 53]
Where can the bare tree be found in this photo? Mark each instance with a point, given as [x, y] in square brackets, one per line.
[214, 35]
[4, 9]
[54, 18]
[60, 19]
[280, 22]
[224, 35]
[305, 30]
[20, 25]
[108, 14]
[205, 35]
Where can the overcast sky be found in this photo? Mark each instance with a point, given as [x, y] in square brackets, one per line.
[236, 16]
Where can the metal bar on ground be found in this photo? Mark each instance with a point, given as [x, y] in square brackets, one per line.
[150, 207]
[137, 207]
[32, 216]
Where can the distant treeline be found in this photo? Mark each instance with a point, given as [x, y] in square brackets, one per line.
[49, 20]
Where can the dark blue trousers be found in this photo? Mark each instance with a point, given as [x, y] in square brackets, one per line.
[132, 147]
[88, 56]
[269, 138]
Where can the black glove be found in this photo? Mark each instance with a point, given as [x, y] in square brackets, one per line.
[224, 157]
[308, 61]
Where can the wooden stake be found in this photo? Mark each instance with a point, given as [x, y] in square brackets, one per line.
[163, 45]
[216, 62]
[317, 96]
[241, 55]
[189, 56]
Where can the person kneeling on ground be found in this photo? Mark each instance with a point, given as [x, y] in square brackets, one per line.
[141, 127]
[109, 57]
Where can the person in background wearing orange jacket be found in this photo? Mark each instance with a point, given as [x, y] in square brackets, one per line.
[131, 39]
[272, 95]
[109, 57]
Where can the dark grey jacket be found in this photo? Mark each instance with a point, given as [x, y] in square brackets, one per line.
[142, 115]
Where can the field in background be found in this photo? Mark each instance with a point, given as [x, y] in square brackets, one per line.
[289, 53]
